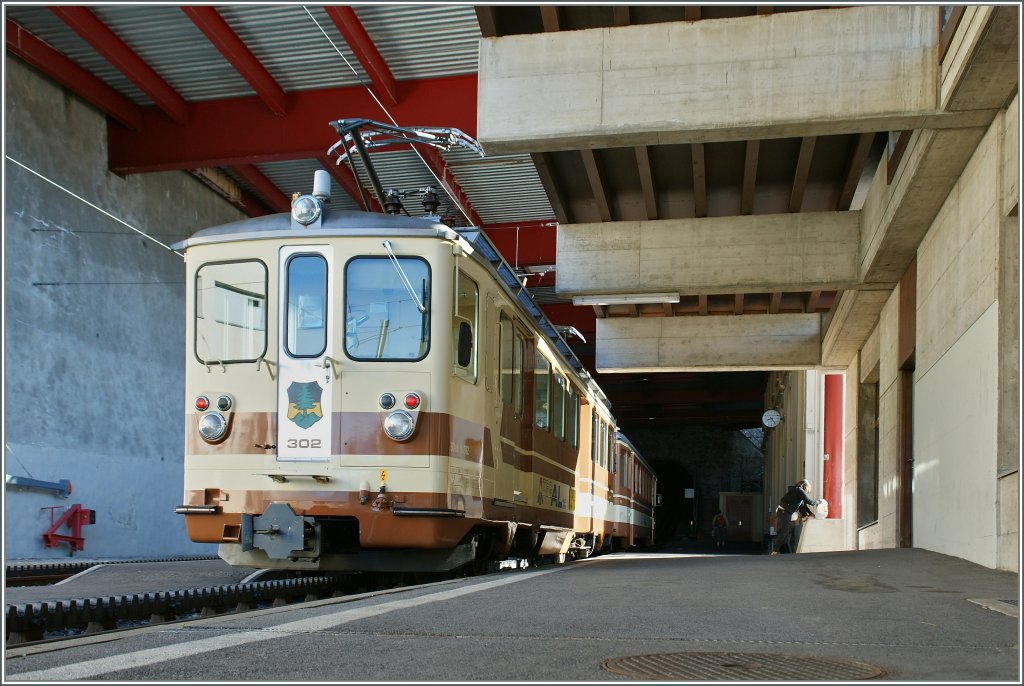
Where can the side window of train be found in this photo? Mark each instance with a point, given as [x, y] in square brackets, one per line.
[604, 444]
[465, 325]
[558, 406]
[595, 445]
[519, 368]
[505, 336]
[231, 311]
[541, 384]
[572, 412]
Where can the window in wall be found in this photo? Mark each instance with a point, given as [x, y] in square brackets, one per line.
[518, 372]
[231, 311]
[541, 384]
[383, 320]
[465, 327]
[505, 337]
[558, 406]
[572, 412]
[307, 306]
[867, 454]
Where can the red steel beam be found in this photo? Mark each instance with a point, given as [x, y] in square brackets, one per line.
[359, 40]
[263, 187]
[220, 34]
[56, 66]
[257, 135]
[526, 244]
[94, 32]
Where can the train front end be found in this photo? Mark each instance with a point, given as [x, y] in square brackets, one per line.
[319, 354]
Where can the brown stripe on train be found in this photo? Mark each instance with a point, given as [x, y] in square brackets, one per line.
[360, 433]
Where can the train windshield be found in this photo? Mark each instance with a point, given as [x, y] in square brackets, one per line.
[383, 320]
[230, 311]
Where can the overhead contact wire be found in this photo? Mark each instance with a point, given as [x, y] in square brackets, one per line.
[386, 112]
[94, 206]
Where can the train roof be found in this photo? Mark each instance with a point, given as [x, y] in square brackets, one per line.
[357, 223]
[334, 222]
[621, 438]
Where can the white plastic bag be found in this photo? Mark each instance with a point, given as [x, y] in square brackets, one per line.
[821, 510]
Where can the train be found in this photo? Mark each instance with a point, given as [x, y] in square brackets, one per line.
[367, 391]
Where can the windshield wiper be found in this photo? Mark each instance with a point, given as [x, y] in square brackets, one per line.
[405, 279]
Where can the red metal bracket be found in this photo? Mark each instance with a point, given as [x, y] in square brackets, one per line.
[76, 517]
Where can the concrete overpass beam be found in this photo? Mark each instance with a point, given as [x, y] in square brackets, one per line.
[802, 252]
[807, 73]
[671, 344]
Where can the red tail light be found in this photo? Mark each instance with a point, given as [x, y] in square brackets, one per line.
[412, 401]
[202, 403]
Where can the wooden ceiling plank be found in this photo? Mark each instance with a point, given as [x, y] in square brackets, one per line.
[547, 179]
[643, 164]
[812, 301]
[691, 13]
[486, 16]
[597, 184]
[749, 176]
[600, 311]
[702, 303]
[620, 15]
[738, 308]
[669, 309]
[700, 191]
[802, 173]
[549, 17]
[854, 170]
[775, 302]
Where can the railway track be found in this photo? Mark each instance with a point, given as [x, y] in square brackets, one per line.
[40, 622]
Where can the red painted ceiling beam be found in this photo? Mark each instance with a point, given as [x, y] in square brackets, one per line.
[220, 34]
[359, 41]
[224, 133]
[94, 32]
[68, 74]
[526, 244]
[264, 188]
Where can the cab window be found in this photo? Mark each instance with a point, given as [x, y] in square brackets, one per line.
[464, 327]
[383, 319]
[231, 311]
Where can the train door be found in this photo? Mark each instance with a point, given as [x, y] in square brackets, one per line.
[306, 383]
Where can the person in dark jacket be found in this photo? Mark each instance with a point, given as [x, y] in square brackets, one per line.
[789, 516]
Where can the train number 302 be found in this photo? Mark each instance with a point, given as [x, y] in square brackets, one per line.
[304, 443]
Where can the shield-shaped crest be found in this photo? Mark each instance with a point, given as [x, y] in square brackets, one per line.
[304, 403]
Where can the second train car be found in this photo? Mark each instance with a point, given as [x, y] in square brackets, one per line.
[379, 393]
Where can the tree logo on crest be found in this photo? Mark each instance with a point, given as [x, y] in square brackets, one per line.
[304, 403]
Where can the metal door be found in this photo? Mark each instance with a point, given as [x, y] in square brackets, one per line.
[305, 387]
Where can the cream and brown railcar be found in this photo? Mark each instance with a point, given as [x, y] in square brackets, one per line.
[375, 392]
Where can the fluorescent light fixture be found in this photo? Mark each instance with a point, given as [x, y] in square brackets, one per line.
[540, 268]
[626, 299]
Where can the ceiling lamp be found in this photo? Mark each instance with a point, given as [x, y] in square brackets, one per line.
[626, 299]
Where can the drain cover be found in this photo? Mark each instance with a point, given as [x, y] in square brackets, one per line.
[740, 667]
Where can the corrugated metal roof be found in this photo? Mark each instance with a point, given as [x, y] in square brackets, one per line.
[303, 50]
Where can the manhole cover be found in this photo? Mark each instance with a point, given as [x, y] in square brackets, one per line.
[740, 667]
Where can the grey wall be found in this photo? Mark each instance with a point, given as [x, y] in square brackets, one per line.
[94, 329]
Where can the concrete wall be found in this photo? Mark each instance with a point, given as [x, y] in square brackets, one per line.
[966, 379]
[94, 330]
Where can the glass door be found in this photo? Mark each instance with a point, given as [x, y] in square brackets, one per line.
[306, 379]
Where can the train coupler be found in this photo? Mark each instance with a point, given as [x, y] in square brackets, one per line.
[281, 533]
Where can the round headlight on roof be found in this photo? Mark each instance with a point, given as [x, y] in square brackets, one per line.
[399, 425]
[212, 426]
[306, 209]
